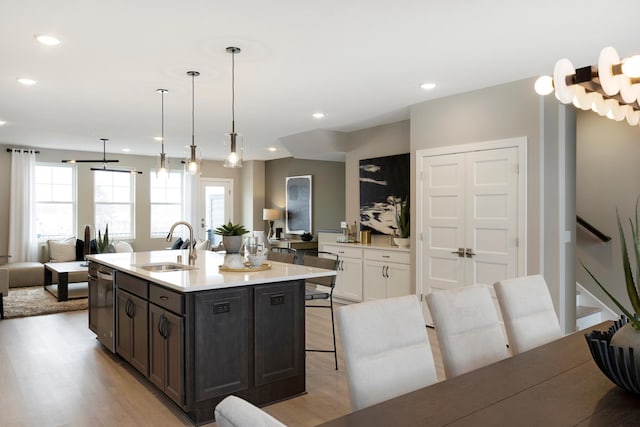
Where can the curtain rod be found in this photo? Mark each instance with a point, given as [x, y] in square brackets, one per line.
[11, 150]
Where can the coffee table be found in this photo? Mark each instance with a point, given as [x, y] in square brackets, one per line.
[61, 291]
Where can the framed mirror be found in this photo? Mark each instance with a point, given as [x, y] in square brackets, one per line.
[298, 215]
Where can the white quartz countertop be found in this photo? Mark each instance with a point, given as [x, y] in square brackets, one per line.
[206, 274]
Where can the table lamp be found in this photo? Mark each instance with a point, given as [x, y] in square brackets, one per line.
[270, 215]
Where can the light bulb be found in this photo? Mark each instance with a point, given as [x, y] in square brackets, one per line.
[232, 158]
[162, 173]
[544, 85]
[631, 66]
[193, 167]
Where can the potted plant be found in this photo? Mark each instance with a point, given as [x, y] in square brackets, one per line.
[231, 236]
[625, 334]
[102, 243]
[402, 222]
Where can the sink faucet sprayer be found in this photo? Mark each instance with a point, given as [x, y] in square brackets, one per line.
[192, 251]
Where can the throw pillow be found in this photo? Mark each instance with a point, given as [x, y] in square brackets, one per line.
[62, 250]
[185, 244]
[202, 245]
[79, 250]
[123, 246]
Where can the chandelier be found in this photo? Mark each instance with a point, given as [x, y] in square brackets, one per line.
[611, 88]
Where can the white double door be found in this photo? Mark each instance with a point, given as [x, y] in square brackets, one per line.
[469, 216]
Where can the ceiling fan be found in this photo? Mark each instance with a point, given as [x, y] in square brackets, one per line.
[104, 161]
[104, 156]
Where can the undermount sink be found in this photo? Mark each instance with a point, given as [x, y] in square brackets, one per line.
[163, 267]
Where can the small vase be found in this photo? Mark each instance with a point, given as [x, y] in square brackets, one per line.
[627, 337]
[402, 242]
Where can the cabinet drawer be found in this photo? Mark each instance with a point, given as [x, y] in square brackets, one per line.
[387, 256]
[344, 252]
[132, 284]
[165, 298]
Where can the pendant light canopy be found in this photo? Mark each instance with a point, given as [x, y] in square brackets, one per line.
[162, 172]
[233, 140]
[192, 163]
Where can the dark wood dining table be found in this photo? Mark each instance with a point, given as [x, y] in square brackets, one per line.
[557, 384]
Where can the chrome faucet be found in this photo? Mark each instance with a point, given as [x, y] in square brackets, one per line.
[192, 251]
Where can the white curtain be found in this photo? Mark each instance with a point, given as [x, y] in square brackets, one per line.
[23, 242]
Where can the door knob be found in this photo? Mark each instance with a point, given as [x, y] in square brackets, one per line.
[460, 252]
[469, 253]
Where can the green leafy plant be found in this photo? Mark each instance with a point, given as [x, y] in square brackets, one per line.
[402, 217]
[231, 229]
[102, 243]
[632, 290]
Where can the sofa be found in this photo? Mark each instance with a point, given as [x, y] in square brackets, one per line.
[21, 274]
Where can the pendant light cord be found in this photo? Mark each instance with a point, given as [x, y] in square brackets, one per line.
[162, 121]
[193, 120]
[233, 92]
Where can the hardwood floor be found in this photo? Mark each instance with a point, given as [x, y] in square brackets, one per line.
[53, 372]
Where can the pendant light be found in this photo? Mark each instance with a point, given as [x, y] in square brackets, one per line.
[162, 172]
[192, 164]
[233, 140]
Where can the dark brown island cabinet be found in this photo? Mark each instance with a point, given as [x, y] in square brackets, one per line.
[199, 347]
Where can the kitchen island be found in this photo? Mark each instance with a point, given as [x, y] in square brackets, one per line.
[199, 334]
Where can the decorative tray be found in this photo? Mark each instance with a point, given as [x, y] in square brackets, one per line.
[245, 269]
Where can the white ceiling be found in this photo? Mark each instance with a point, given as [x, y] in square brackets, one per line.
[360, 62]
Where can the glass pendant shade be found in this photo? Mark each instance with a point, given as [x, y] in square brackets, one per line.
[192, 162]
[234, 156]
[163, 166]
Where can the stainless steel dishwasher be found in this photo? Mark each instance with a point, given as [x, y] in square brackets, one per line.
[101, 303]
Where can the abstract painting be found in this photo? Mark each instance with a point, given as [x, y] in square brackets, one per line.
[382, 180]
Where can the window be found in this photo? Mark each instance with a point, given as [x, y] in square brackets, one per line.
[166, 202]
[113, 196]
[55, 201]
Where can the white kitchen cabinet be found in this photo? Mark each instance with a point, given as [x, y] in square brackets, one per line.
[349, 274]
[386, 274]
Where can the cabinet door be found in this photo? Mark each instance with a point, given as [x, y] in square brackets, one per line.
[166, 360]
[349, 279]
[398, 280]
[279, 331]
[132, 337]
[124, 325]
[221, 342]
[375, 282]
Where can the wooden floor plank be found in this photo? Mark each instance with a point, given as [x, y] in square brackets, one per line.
[53, 372]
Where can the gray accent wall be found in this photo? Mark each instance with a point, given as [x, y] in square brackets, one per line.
[507, 111]
[608, 177]
[328, 185]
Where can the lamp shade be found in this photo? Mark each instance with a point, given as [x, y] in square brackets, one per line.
[270, 214]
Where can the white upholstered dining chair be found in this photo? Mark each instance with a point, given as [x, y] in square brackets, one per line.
[527, 310]
[235, 412]
[467, 327]
[386, 349]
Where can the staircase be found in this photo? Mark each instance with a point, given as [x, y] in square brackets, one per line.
[590, 310]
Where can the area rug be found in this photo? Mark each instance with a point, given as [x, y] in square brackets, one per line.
[35, 301]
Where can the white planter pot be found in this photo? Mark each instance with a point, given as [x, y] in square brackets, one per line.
[402, 242]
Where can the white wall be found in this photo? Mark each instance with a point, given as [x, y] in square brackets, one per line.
[143, 241]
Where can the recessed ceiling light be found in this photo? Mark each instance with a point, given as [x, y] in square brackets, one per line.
[126, 150]
[48, 40]
[271, 148]
[318, 115]
[427, 86]
[25, 81]
[157, 138]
